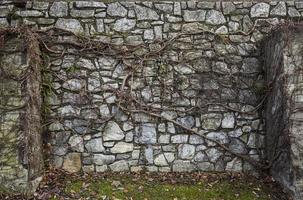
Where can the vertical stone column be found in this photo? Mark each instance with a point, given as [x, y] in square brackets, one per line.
[284, 126]
[13, 168]
[21, 164]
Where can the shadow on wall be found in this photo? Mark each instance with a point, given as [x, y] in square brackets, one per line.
[284, 126]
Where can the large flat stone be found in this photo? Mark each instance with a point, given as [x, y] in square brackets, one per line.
[71, 25]
[112, 132]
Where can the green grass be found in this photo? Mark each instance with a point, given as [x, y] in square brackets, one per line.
[144, 189]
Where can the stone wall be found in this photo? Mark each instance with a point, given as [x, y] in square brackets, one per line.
[283, 64]
[13, 174]
[186, 65]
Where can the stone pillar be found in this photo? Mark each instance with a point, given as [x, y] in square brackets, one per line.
[13, 168]
[283, 61]
[21, 153]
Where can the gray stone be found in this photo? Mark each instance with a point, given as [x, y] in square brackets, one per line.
[177, 8]
[161, 127]
[215, 17]
[167, 8]
[164, 139]
[194, 27]
[76, 143]
[205, 166]
[112, 132]
[127, 126]
[174, 19]
[183, 166]
[187, 121]
[260, 10]
[104, 111]
[100, 25]
[149, 154]
[213, 154]
[279, 10]
[228, 7]
[255, 124]
[292, 12]
[116, 9]
[186, 151]
[108, 144]
[124, 24]
[59, 150]
[3, 22]
[237, 146]
[82, 13]
[228, 120]
[251, 65]
[196, 139]
[222, 30]
[4, 11]
[221, 67]
[88, 168]
[200, 157]
[122, 147]
[158, 32]
[39, 5]
[235, 165]
[148, 34]
[177, 139]
[146, 92]
[206, 4]
[69, 111]
[119, 114]
[56, 126]
[59, 9]
[95, 145]
[71, 25]
[247, 23]
[193, 16]
[45, 21]
[147, 133]
[118, 166]
[135, 154]
[129, 137]
[233, 26]
[73, 85]
[171, 128]
[211, 121]
[144, 13]
[29, 13]
[101, 168]
[89, 4]
[101, 159]
[299, 4]
[235, 133]
[183, 69]
[57, 161]
[220, 137]
[160, 160]
[169, 114]
[170, 157]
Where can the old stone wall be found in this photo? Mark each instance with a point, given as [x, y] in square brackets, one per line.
[156, 86]
[283, 63]
[13, 174]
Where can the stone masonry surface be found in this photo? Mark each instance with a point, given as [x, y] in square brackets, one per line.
[12, 172]
[210, 80]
